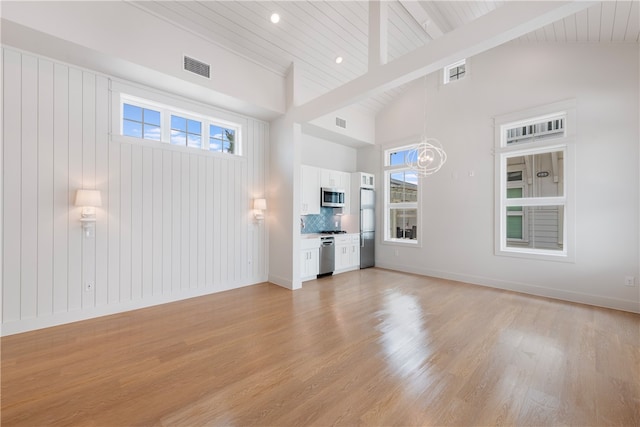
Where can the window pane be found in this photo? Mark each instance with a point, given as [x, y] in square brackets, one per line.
[179, 123]
[537, 130]
[403, 223]
[216, 132]
[130, 128]
[194, 127]
[403, 187]
[131, 112]
[194, 141]
[546, 171]
[542, 227]
[230, 134]
[152, 132]
[215, 144]
[226, 147]
[514, 227]
[514, 176]
[152, 117]
[178, 138]
[399, 157]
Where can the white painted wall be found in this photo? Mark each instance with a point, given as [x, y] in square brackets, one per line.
[327, 154]
[122, 40]
[457, 209]
[175, 223]
[284, 202]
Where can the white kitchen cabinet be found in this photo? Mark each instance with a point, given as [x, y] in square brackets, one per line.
[310, 185]
[363, 179]
[309, 258]
[347, 252]
[331, 178]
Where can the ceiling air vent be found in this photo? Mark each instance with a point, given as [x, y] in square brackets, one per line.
[197, 67]
[341, 123]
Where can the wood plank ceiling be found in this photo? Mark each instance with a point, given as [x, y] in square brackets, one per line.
[312, 34]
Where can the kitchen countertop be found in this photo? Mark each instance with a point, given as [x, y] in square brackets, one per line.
[315, 235]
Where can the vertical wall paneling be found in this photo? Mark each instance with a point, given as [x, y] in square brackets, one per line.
[240, 221]
[209, 259]
[61, 194]
[201, 232]
[157, 240]
[126, 232]
[29, 191]
[114, 225]
[167, 222]
[174, 222]
[88, 181]
[45, 187]
[217, 220]
[184, 224]
[193, 221]
[147, 222]
[102, 184]
[136, 222]
[75, 182]
[11, 213]
[224, 219]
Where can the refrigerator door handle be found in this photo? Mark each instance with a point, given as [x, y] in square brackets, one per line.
[361, 240]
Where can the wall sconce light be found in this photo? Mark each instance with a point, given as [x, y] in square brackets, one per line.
[259, 206]
[88, 200]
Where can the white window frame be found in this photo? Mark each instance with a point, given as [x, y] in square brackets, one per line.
[168, 105]
[388, 238]
[564, 143]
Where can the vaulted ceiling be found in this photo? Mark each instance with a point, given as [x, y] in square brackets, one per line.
[312, 34]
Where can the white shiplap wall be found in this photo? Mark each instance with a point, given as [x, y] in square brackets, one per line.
[173, 224]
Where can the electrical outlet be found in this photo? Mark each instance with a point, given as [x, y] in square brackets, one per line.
[629, 281]
[88, 287]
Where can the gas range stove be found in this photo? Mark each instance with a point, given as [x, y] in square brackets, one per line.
[333, 232]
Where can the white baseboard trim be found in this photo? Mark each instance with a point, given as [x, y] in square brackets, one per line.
[283, 281]
[525, 288]
[26, 325]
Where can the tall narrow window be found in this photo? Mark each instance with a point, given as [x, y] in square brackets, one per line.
[533, 196]
[401, 197]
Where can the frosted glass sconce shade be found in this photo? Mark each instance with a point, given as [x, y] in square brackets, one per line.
[88, 200]
[259, 206]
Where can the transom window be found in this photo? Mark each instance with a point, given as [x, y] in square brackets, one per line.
[186, 132]
[401, 197]
[140, 122]
[533, 198]
[222, 139]
[156, 122]
[455, 71]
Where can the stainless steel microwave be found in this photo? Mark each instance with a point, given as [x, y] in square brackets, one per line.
[332, 197]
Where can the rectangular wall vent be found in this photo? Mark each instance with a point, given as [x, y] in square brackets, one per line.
[197, 67]
[341, 123]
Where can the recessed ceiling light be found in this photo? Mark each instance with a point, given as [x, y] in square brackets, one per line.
[275, 18]
[339, 59]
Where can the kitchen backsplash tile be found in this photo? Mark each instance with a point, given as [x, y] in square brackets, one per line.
[325, 221]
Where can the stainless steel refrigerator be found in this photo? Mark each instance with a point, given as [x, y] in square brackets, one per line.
[367, 227]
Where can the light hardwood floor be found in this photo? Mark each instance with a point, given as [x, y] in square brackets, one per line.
[371, 347]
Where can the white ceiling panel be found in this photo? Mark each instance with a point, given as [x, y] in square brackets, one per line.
[312, 33]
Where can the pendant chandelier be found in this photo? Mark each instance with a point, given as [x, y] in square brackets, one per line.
[428, 156]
